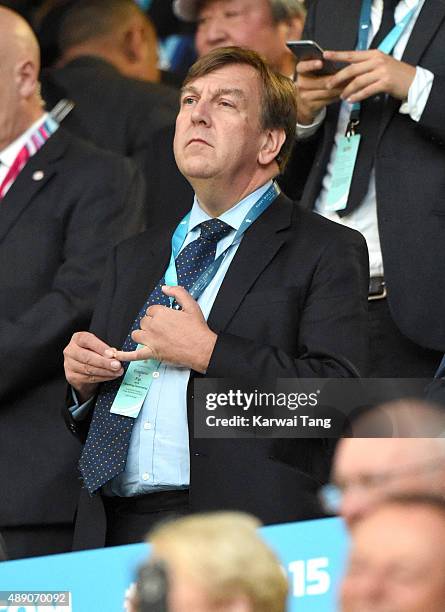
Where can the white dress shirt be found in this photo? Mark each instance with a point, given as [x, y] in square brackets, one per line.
[364, 218]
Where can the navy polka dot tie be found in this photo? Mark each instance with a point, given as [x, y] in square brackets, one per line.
[105, 451]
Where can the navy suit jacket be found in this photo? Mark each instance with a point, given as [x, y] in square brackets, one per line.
[293, 303]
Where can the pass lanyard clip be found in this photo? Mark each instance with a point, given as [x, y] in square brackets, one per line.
[352, 124]
[386, 46]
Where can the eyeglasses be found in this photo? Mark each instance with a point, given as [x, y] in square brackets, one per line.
[331, 495]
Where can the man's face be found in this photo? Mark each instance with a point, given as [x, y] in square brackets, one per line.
[241, 23]
[368, 469]
[397, 562]
[218, 133]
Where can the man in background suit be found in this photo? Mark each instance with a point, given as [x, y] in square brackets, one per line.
[289, 300]
[63, 205]
[108, 58]
[397, 193]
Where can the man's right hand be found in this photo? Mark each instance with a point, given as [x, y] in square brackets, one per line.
[88, 362]
[312, 92]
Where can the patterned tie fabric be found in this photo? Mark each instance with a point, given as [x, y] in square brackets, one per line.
[105, 452]
[370, 118]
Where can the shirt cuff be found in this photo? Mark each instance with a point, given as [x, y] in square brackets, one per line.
[80, 411]
[418, 94]
[306, 131]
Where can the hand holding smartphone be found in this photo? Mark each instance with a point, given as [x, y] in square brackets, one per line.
[310, 50]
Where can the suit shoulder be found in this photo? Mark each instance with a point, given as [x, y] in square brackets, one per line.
[317, 225]
[156, 91]
[86, 153]
[154, 238]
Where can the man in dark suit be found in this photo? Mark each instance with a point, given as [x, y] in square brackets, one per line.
[288, 300]
[108, 58]
[63, 205]
[396, 197]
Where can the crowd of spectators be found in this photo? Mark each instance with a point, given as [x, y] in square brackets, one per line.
[101, 156]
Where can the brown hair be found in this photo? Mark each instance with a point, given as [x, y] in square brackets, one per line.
[278, 104]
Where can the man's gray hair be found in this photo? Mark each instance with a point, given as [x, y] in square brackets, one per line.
[282, 10]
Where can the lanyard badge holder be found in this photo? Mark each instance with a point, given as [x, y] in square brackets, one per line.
[348, 145]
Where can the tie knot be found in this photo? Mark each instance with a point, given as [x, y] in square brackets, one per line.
[214, 229]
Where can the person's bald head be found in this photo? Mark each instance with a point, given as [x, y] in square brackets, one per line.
[115, 30]
[397, 558]
[20, 102]
[17, 40]
[365, 470]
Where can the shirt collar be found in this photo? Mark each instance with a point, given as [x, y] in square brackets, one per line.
[8, 155]
[234, 216]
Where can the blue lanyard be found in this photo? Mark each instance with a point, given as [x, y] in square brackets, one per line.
[207, 276]
[386, 46]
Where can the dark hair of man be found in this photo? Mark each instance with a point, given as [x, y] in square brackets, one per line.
[86, 20]
[278, 104]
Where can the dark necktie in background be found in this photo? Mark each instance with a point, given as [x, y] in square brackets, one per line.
[105, 451]
[371, 113]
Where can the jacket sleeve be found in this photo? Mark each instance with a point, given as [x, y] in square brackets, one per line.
[433, 116]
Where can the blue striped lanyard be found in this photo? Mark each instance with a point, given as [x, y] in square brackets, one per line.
[386, 46]
[178, 239]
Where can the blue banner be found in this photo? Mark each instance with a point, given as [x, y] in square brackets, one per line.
[313, 553]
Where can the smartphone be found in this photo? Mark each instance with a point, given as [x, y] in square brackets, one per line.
[310, 50]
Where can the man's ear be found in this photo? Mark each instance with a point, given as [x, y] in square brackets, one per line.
[26, 79]
[133, 42]
[271, 147]
[295, 28]
[291, 29]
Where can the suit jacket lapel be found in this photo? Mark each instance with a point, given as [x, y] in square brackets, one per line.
[151, 265]
[257, 248]
[28, 184]
[427, 24]
[259, 245]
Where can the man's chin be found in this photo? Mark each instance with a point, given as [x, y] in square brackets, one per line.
[197, 171]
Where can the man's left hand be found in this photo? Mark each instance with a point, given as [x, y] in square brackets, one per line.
[180, 337]
[370, 73]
